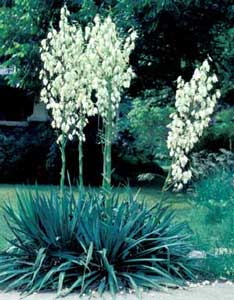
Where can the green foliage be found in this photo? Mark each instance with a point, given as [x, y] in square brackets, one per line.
[22, 27]
[163, 27]
[219, 134]
[204, 163]
[44, 247]
[223, 53]
[222, 128]
[96, 242]
[224, 124]
[87, 11]
[174, 36]
[212, 222]
[216, 192]
[147, 123]
[140, 13]
[28, 155]
[139, 247]
[221, 265]
[17, 46]
[7, 3]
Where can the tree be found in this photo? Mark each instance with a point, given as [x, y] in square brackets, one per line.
[22, 27]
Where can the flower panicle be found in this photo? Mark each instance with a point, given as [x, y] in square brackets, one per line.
[195, 103]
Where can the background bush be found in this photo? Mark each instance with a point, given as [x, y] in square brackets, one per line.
[147, 123]
[25, 154]
[212, 222]
[205, 164]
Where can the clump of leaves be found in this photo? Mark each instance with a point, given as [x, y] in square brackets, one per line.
[44, 251]
[98, 242]
[213, 235]
[147, 123]
[216, 193]
[205, 164]
[212, 221]
[223, 127]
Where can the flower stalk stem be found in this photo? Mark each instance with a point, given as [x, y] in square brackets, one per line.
[63, 167]
[80, 161]
[107, 163]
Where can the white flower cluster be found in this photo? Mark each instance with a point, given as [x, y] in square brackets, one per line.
[66, 91]
[195, 102]
[108, 56]
[75, 64]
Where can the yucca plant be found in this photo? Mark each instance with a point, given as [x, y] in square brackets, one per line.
[134, 245]
[44, 251]
[93, 243]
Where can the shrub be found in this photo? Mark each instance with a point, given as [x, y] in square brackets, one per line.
[216, 239]
[216, 194]
[98, 242]
[146, 122]
[212, 221]
[204, 164]
[222, 128]
[24, 154]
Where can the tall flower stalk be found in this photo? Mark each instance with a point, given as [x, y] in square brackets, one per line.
[66, 90]
[63, 161]
[195, 103]
[108, 54]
